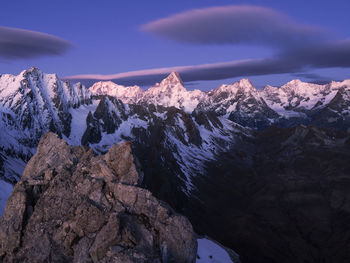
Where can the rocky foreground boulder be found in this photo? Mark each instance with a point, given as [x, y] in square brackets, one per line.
[73, 206]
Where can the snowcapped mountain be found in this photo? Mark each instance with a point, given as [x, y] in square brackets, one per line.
[128, 95]
[39, 101]
[168, 93]
[294, 103]
[170, 136]
[31, 104]
[224, 99]
[171, 92]
[241, 103]
[298, 96]
[336, 113]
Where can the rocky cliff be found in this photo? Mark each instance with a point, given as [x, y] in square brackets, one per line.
[73, 206]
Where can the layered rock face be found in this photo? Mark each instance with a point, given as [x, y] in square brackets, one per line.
[72, 206]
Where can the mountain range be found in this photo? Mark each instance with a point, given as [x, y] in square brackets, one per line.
[261, 171]
[294, 103]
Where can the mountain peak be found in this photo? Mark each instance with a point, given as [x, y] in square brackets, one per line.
[172, 79]
[294, 82]
[245, 83]
[127, 94]
[32, 70]
[242, 85]
[302, 87]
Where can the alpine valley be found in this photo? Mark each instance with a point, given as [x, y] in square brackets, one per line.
[264, 172]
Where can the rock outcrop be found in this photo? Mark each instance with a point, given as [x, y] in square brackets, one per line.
[73, 206]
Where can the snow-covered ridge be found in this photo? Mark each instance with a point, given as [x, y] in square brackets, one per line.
[170, 92]
[297, 98]
[240, 102]
[31, 104]
[48, 86]
[40, 101]
[241, 98]
[225, 98]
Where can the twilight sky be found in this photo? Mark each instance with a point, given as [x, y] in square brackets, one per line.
[209, 42]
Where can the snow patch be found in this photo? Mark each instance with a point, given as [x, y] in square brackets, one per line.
[210, 252]
[78, 126]
[124, 131]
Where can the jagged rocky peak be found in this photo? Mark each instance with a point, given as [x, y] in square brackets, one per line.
[32, 70]
[246, 87]
[73, 206]
[244, 83]
[172, 93]
[39, 84]
[173, 79]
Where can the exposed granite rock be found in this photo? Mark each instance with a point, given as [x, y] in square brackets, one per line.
[72, 206]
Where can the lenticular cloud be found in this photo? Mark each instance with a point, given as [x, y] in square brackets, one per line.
[298, 47]
[21, 44]
[235, 25]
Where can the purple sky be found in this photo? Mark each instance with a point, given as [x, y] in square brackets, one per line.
[208, 41]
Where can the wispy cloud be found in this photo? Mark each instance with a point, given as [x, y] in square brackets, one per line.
[22, 44]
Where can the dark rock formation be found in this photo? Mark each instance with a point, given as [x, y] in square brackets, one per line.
[292, 204]
[110, 112]
[72, 206]
[93, 131]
